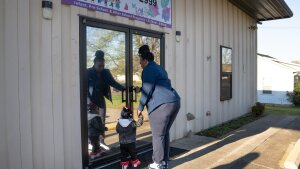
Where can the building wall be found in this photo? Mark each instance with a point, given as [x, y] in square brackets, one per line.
[3, 138]
[205, 25]
[41, 74]
[275, 73]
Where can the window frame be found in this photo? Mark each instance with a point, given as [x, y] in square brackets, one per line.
[227, 74]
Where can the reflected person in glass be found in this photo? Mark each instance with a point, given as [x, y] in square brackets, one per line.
[99, 82]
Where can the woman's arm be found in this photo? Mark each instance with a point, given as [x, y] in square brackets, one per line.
[148, 78]
[111, 81]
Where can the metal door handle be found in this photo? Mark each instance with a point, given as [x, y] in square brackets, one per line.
[123, 100]
[132, 90]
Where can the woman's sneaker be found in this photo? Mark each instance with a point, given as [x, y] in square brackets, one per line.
[95, 154]
[125, 164]
[155, 166]
[104, 146]
[135, 163]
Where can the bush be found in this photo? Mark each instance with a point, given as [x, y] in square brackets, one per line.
[294, 97]
[258, 109]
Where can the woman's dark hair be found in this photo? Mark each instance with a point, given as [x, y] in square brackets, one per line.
[145, 53]
[99, 56]
[144, 49]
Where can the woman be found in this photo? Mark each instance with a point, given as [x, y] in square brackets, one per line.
[99, 82]
[163, 104]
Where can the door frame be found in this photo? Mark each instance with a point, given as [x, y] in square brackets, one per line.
[85, 21]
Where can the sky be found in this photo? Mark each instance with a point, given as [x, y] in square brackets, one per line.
[281, 38]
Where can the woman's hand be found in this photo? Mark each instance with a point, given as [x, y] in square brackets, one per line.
[137, 89]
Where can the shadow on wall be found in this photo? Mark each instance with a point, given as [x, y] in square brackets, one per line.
[272, 97]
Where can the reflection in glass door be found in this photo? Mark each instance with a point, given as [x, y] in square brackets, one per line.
[112, 43]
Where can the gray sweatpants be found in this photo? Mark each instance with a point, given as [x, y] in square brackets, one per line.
[161, 120]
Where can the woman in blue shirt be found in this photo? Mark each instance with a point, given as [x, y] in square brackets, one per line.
[162, 102]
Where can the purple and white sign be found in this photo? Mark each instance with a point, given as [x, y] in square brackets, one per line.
[158, 12]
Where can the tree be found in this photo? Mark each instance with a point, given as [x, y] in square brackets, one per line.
[112, 43]
[154, 45]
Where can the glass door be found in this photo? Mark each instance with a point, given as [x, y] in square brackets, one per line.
[119, 46]
[112, 43]
[105, 87]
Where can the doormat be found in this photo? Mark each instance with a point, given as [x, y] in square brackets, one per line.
[146, 159]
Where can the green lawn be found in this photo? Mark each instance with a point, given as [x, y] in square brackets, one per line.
[225, 128]
[117, 101]
[282, 110]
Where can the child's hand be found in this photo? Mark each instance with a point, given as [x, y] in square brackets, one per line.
[139, 113]
[137, 89]
[140, 121]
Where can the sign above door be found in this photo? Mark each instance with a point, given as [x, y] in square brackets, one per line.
[158, 12]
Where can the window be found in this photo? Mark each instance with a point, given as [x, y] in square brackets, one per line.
[225, 73]
[267, 86]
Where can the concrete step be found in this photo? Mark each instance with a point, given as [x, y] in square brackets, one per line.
[293, 159]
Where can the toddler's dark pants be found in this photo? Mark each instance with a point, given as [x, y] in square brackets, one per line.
[128, 149]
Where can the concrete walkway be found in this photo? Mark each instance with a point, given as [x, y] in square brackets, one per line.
[263, 144]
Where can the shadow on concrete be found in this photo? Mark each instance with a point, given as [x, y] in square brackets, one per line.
[254, 128]
[241, 162]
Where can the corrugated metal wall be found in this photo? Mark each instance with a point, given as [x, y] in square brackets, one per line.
[41, 75]
[3, 139]
[205, 25]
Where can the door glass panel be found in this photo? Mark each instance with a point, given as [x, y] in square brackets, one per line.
[126, 71]
[154, 45]
[112, 43]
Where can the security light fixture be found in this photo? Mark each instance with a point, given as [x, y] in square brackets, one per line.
[47, 9]
[178, 34]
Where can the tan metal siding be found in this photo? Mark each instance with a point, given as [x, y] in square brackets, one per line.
[57, 68]
[3, 138]
[180, 55]
[24, 81]
[205, 25]
[36, 88]
[12, 84]
[190, 61]
[199, 63]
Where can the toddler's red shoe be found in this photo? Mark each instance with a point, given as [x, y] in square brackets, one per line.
[135, 163]
[125, 164]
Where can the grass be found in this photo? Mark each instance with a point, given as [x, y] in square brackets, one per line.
[227, 127]
[117, 101]
[282, 110]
